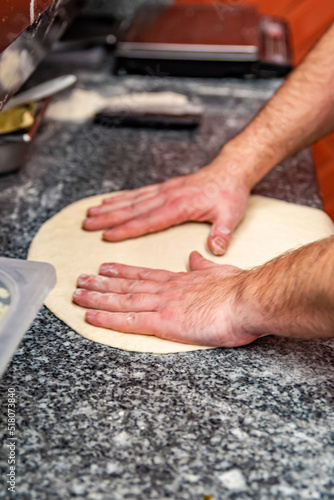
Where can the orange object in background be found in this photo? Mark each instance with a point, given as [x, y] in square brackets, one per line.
[308, 20]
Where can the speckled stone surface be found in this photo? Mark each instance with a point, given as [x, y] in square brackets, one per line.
[97, 423]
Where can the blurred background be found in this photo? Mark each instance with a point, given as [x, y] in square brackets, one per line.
[308, 19]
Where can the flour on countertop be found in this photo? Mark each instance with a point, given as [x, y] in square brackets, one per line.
[83, 104]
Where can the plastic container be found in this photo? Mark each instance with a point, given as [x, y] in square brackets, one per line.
[24, 286]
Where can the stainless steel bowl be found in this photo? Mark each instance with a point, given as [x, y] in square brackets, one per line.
[14, 147]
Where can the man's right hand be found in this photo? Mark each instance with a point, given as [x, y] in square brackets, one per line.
[210, 195]
[300, 113]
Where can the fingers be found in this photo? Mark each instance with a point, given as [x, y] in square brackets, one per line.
[134, 272]
[197, 262]
[156, 220]
[132, 195]
[228, 216]
[146, 323]
[220, 235]
[115, 302]
[183, 307]
[106, 208]
[108, 215]
[104, 284]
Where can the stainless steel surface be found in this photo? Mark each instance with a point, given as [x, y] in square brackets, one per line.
[12, 155]
[187, 51]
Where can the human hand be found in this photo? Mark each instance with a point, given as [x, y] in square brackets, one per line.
[206, 195]
[197, 307]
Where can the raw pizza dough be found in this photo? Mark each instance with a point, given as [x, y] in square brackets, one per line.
[269, 228]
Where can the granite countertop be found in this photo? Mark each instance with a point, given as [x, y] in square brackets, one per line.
[97, 423]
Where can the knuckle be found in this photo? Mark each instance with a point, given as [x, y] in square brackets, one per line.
[107, 300]
[132, 206]
[128, 300]
[173, 285]
[131, 285]
[131, 318]
[166, 314]
[146, 274]
[126, 286]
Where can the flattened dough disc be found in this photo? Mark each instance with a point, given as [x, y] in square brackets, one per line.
[269, 228]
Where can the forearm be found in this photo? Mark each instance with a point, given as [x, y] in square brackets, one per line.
[301, 112]
[293, 295]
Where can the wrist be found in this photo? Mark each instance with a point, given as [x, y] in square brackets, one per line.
[240, 163]
[230, 170]
[290, 296]
[251, 154]
[248, 306]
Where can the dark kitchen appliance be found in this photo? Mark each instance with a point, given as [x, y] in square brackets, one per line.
[109, 118]
[203, 40]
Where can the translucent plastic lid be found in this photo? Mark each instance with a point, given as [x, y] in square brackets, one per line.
[24, 286]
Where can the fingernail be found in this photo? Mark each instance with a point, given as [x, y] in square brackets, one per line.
[105, 235]
[108, 268]
[90, 315]
[83, 278]
[76, 294]
[219, 246]
[87, 224]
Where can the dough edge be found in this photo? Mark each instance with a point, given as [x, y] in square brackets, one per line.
[59, 300]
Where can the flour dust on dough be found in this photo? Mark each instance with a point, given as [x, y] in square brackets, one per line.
[269, 228]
